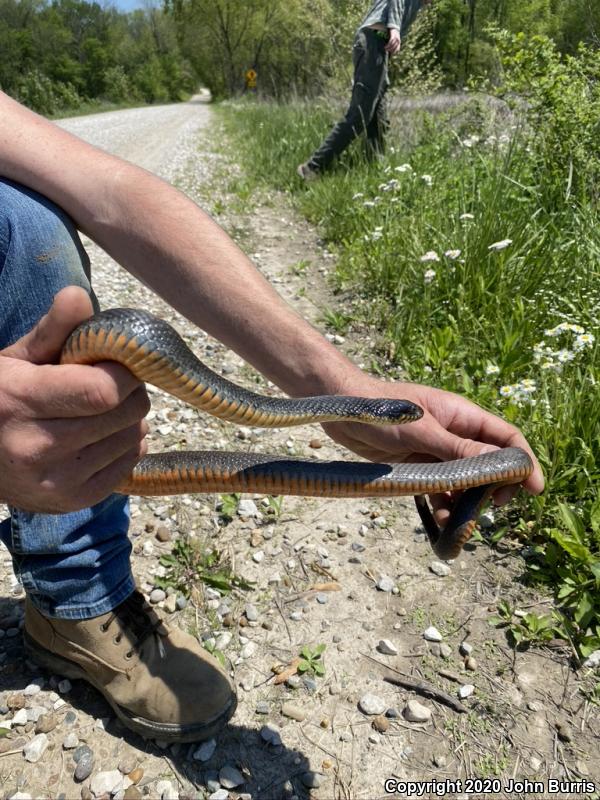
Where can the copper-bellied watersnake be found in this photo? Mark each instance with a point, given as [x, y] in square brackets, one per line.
[153, 351]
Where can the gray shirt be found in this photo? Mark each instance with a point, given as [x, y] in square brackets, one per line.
[397, 14]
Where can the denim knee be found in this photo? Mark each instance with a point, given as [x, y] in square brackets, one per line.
[40, 253]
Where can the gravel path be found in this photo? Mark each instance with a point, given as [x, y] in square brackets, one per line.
[355, 576]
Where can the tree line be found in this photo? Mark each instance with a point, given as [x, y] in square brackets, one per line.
[57, 54]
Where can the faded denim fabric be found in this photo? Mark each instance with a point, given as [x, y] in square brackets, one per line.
[74, 566]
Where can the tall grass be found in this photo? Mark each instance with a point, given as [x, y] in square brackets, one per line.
[478, 281]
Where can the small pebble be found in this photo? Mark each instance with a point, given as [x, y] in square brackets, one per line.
[312, 780]
[35, 749]
[465, 649]
[220, 794]
[372, 704]
[466, 690]
[84, 767]
[136, 775]
[385, 584]
[230, 777]
[163, 534]
[381, 724]
[251, 612]
[440, 569]
[64, 686]
[157, 596]
[293, 712]
[70, 741]
[445, 650]
[46, 723]
[205, 751]
[262, 707]
[432, 635]
[471, 663]
[416, 712]
[127, 764]
[387, 648]
[270, 734]
[322, 598]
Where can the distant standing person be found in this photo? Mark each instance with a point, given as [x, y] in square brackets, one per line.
[378, 37]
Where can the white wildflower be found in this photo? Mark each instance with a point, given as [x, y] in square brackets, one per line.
[430, 255]
[565, 355]
[501, 245]
[527, 386]
[403, 168]
[506, 391]
[427, 179]
[467, 216]
[453, 254]
[584, 340]
[428, 275]
[369, 204]
[492, 369]
[357, 196]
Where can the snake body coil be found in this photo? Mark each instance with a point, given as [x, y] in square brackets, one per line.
[156, 354]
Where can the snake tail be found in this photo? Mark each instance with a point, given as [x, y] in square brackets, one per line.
[155, 353]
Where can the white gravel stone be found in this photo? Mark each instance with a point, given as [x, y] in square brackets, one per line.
[220, 794]
[230, 777]
[258, 556]
[166, 791]
[33, 688]
[223, 640]
[270, 733]
[593, 660]
[35, 749]
[465, 649]
[247, 508]
[432, 634]
[249, 650]
[157, 596]
[148, 548]
[416, 712]
[205, 751]
[372, 704]
[466, 690]
[385, 584]
[387, 648]
[20, 718]
[251, 612]
[109, 782]
[71, 741]
[440, 569]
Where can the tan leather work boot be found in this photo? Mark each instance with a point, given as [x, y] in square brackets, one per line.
[160, 682]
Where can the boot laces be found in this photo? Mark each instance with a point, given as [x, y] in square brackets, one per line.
[137, 617]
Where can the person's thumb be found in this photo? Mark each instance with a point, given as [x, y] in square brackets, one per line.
[43, 344]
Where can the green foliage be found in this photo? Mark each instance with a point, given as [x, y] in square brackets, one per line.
[478, 270]
[228, 506]
[58, 56]
[560, 98]
[311, 661]
[190, 563]
[525, 629]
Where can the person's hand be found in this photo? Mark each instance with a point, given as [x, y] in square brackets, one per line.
[68, 433]
[451, 428]
[394, 42]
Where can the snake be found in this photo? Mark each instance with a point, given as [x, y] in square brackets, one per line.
[155, 353]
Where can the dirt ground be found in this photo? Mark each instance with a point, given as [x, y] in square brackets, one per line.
[525, 730]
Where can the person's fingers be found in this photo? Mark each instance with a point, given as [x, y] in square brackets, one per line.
[108, 479]
[100, 455]
[73, 390]
[84, 431]
[43, 344]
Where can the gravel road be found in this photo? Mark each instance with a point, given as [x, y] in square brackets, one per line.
[355, 576]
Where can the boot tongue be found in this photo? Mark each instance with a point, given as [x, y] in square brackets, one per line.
[141, 619]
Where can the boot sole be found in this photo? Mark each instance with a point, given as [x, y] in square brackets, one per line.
[146, 728]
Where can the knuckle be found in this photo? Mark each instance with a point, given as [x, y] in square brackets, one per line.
[101, 396]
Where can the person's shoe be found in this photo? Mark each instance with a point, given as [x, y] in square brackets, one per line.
[307, 173]
[159, 681]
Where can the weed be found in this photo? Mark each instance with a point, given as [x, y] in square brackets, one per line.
[311, 661]
[190, 563]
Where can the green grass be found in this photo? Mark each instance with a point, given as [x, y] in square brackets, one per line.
[482, 321]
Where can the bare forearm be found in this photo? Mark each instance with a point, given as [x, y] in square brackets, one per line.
[164, 239]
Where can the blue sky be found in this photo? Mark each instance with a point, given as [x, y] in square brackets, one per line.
[127, 5]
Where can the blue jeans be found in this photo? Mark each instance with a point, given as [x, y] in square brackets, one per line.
[73, 566]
